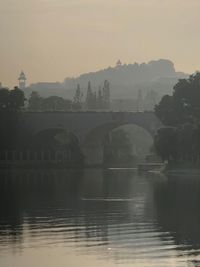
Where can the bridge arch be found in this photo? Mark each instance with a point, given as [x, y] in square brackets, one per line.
[86, 125]
[93, 144]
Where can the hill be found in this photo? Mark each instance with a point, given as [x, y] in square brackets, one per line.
[125, 80]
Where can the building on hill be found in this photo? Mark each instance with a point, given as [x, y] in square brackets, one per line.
[119, 63]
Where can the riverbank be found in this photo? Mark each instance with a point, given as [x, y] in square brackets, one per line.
[183, 171]
[182, 168]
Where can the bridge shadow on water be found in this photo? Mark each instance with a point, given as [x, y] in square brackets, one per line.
[115, 214]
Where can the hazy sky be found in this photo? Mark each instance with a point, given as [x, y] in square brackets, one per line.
[52, 39]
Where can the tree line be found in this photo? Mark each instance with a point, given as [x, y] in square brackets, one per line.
[94, 100]
[179, 140]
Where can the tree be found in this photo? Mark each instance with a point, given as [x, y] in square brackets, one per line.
[184, 105]
[165, 111]
[4, 99]
[89, 97]
[99, 99]
[106, 95]
[11, 100]
[17, 99]
[77, 101]
[11, 103]
[35, 101]
[181, 110]
[55, 103]
[166, 143]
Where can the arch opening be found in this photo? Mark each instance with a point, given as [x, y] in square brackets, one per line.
[126, 146]
[117, 145]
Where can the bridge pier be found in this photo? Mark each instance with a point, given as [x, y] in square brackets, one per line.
[93, 155]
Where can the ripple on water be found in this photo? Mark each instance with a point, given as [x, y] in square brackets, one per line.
[124, 221]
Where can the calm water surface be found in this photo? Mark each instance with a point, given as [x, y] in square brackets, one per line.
[98, 218]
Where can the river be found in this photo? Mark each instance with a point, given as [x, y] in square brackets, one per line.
[94, 217]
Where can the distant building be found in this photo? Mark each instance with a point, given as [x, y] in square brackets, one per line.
[118, 64]
[22, 80]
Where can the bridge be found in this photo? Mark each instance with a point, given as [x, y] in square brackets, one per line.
[90, 128]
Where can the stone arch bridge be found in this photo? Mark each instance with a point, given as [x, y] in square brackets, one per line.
[90, 128]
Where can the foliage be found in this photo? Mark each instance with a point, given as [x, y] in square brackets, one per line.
[11, 103]
[11, 100]
[166, 143]
[77, 101]
[184, 105]
[52, 103]
[17, 99]
[4, 98]
[98, 100]
[35, 101]
[180, 143]
[90, 102]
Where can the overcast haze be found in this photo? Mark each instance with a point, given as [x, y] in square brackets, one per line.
[52, 39]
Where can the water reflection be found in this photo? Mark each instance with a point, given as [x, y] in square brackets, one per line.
[118, 215]
[177, 203]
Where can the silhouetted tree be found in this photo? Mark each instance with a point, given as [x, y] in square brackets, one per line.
[89, 97]
[77, 101]
[11, 100]
[56, 103]
[11, 103]
[35, 101]
[99, 99]
[17, 99]
[181, 110]
[52, 103]
[4, 99]
[166, 143]
[165, 110]
[106, 95]
[183, 105]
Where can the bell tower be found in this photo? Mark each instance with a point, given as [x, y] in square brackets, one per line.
[22, 80]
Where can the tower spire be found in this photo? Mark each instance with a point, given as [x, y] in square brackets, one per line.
[22, 80]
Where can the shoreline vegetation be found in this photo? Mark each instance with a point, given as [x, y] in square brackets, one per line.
[178, 142]
[182, 168]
